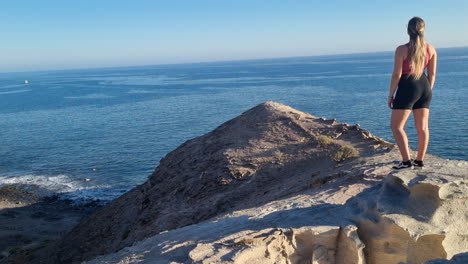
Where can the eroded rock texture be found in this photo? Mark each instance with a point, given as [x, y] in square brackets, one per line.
[276, 185]
[245, 162]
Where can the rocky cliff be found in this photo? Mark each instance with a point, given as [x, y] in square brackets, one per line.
[368, 215]
[276, 185]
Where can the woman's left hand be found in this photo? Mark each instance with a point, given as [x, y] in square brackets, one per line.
[390, 102]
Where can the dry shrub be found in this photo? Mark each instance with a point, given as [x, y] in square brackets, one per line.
[344, 152]
[324, 141]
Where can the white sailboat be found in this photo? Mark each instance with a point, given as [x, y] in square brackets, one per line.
[26, 81]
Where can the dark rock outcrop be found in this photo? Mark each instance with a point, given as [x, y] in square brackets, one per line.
[243, 163]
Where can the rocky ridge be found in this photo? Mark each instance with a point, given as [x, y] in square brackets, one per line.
[382, 217]
[276, 185]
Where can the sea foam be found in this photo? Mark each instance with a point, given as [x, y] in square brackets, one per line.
[66, 187]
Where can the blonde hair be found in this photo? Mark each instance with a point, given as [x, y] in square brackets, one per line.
[417, 45]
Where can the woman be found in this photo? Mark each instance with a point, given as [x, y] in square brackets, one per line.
[414, 91]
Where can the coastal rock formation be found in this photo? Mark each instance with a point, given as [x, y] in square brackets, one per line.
[415, 215]
[372, 216]
[276, 185]
[243, 163]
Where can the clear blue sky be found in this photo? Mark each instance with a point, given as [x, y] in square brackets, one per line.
[62, 34]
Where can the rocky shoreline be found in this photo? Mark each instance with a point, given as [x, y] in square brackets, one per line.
[280, 186]
[32, 219]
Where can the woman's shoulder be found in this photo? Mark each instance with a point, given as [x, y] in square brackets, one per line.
[431, 49]
[402, 49]
[403, 46]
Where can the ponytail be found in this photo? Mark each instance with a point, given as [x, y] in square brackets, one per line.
[417, 46]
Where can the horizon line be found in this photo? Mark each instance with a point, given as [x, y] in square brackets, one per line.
[206, 62]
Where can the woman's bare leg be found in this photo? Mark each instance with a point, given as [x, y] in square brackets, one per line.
[398, 121]
[421, 121]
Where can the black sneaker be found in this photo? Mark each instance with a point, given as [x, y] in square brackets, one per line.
[404, 165]
[418, 163]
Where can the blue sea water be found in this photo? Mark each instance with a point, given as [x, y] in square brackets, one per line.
[96, 133]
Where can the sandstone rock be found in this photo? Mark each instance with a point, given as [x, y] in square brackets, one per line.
[384, 217]
[457, 259]
[260, 189]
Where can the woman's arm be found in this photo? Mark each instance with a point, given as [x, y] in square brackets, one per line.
[396, 75]
[432, 66]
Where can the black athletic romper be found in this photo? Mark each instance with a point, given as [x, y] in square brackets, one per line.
[412, 93]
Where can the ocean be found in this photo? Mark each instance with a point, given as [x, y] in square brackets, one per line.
[96, 133]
